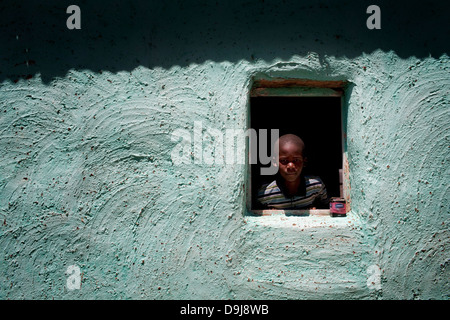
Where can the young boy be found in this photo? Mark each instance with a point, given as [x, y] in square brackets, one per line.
[291, 189]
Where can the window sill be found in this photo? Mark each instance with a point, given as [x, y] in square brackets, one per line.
[300, 219]
[298, 213]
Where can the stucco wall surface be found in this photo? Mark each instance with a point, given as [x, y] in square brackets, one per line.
[87, 177]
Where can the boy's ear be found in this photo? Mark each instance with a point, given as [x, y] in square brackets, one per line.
[274, 162]
[305, 161]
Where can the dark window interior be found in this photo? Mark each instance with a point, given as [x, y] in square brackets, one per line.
[317, 120]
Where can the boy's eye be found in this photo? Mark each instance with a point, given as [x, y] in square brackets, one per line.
[295, 161]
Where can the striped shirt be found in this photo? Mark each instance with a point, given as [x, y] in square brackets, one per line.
[311, 193]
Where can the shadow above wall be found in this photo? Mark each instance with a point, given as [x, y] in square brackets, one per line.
[122, 35]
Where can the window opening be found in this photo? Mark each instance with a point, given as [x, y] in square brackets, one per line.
[312, 110]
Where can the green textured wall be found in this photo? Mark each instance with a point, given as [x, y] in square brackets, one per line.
[87, 179]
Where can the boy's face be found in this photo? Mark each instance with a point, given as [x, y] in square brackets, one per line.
[290, 161]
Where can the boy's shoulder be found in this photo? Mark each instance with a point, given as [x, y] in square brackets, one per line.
[269, 188]
[311, 179]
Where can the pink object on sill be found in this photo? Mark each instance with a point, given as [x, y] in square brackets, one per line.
[337, 207]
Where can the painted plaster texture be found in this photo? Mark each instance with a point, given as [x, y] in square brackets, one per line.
[87, 177]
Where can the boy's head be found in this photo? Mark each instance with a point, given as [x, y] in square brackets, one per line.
[291, 157]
